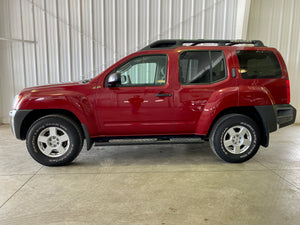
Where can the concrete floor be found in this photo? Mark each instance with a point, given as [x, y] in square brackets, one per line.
[160, 184]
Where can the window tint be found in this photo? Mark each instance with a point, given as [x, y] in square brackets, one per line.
[202, 67]
[148, 70]
[218, 66]
[258, 64]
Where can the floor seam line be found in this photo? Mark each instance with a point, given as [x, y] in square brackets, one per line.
[21, 187]
[187, 171]
[287, 181]
[278, 175]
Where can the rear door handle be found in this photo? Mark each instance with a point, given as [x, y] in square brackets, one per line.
[163, 95]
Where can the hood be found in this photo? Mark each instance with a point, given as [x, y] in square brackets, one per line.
[50, 86]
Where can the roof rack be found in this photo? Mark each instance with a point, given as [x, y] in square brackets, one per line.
[174, 43]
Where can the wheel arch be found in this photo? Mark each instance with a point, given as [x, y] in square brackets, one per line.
[251, 112]
[39, 113]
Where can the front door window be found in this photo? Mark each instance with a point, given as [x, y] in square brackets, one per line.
[143, 71]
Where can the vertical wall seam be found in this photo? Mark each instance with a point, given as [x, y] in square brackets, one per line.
[93, 39]
[137, 24]
[23, 45]
[159, 20]
[203, 11]
[114, 31]
[170, 18]
[192, 18]
[58, 45]
[280, 25]
[35, 48]
[47, 43]
[234, 21]
[70, 42]
[290, 31]
[103, 34]
[125, 26]
[148, 22]
[270, 25]
[181, 19]
[297, 70]
[11, 49]
[214, 20]
[225, 18]
[83, 66]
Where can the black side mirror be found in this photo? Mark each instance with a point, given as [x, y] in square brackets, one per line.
[114, 80]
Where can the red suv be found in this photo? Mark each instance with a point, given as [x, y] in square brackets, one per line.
[172, 91]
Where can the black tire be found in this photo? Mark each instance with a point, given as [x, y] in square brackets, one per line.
[54, 140]
[235, 138]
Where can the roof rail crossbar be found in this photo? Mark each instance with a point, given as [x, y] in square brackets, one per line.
[174, 43]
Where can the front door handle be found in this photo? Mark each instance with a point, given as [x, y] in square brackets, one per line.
[164, 95]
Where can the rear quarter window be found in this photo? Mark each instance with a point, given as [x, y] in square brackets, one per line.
[258, 64]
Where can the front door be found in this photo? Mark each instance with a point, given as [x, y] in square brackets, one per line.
[142, 104]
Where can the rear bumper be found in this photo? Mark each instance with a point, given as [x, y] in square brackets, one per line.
[275, 116]
[286, 115]
[16, 120]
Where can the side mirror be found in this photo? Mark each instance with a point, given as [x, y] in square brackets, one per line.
[114, 79]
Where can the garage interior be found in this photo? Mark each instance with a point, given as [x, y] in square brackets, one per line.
[45, 42]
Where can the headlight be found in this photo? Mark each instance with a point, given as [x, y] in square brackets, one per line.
[16, 101]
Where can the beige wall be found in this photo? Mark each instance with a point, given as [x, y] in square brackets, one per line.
[277, 24]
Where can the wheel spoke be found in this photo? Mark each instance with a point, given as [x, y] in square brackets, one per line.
[42, 139]
[231, 132]
[228, 143]
[47, 150]
[61, 150]
[52, 131]
[64, 138]
[243, 131]
[237, 149]
[247, 142]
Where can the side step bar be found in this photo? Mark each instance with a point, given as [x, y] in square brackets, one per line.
[147, 141]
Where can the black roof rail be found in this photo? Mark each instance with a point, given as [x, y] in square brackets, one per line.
[174, 43]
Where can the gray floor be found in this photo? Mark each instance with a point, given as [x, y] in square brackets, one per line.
[161, 184]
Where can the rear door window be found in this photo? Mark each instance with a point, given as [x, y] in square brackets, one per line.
[258, 64]
[202, 67]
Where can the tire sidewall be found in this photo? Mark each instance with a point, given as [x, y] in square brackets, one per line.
[224, 126]
[62, 123]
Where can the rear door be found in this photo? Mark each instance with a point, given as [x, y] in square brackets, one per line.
[201, 73]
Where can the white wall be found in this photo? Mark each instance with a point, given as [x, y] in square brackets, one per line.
[277, 24]
[67, 40]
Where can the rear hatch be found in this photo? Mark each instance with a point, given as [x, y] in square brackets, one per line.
[264, 68]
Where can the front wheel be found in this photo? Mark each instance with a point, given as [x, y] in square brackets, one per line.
[235, 138]
[54, 140]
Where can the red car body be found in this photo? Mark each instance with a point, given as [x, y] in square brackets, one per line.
[191, 109]
[171, 109]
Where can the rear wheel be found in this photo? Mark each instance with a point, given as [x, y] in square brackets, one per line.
[235, 138]
[54, 140]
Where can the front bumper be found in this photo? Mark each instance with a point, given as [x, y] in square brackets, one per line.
[16, 120]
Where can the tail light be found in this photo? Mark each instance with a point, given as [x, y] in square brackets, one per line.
[288, 92]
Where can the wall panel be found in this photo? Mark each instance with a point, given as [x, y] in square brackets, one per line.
[277, 24]
[68, 40]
